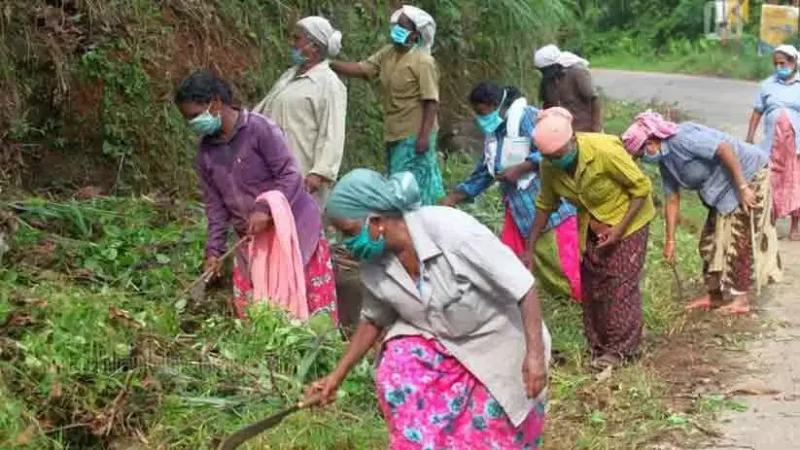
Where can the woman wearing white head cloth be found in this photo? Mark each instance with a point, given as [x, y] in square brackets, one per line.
[778, 100]
[567, 82]
[410, 90]
[309, 103]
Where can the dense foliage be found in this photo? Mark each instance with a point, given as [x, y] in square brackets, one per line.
[86, 83]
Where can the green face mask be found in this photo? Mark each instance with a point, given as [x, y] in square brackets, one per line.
[363, 247]
[564, 161]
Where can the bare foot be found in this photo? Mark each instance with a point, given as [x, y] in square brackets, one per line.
[703, 302]
[794, 236]
[738, 307]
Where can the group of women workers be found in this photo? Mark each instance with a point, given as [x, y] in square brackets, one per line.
[464, 354]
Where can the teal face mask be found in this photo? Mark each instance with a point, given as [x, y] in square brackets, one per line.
[652, 159]
[399, 34]
[783, 73]
[206, 124]
[297, 58]
[363, 247]
[564, 161]
[489, 122]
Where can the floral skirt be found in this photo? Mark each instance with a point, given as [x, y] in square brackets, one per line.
[320, 284]
[432, 402]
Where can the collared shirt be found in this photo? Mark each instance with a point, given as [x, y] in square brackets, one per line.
[310, 108]
[520, 201]
[235, 172]
[468, 299]
[690, 162]
[775, 96]
[575, 92]
[604, 183]
[406, 80]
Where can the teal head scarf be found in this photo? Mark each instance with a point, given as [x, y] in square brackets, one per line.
[363, 192]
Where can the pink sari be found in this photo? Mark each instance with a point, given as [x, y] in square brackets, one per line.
[785, 167]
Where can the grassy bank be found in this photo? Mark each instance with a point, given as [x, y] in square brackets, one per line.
[99, 349]
[88, 83]
[738, 60]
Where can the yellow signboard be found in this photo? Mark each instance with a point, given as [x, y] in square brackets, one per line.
[778, 24]
[744, 11]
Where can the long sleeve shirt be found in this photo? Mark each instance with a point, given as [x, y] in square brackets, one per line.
[521, 202]
[311, 109]
[235, 172]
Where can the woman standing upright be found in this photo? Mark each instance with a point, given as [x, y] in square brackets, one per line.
[309, 103]
[778, 102]
[613, 196]
[509, 157]
[732, 179]
[410, 90]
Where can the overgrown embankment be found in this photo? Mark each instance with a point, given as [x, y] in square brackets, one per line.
[85, 84]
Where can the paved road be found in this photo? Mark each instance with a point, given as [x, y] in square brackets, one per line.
[771, 422]
[723, 104]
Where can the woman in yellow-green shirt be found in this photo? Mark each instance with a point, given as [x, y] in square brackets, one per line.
[613, 196]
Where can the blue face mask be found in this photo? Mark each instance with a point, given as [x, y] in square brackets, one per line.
[565, 161]
[652, 159]
[363, 247]
[783, 73]
[488, 123]
[206, 124]
[399, 35]
[297, 58]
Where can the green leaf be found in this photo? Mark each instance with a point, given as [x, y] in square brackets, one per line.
[162, 259]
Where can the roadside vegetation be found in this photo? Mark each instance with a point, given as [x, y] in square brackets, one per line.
[663, 36]
[98, 347]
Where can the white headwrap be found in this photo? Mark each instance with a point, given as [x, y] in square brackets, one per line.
[422, 20]
[788, 50]
[321, 31]
[550, 54]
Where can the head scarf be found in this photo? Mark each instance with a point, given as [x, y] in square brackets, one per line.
[422, 20]
[550, 54]
[363, 192]
[320, 30]
[553, 129]
[647, 125]
[788, 50]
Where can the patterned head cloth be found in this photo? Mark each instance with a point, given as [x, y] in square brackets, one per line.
[647, 125]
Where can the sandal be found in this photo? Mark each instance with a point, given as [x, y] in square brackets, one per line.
[604, 362]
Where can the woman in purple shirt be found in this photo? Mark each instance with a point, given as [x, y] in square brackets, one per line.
[242, 155]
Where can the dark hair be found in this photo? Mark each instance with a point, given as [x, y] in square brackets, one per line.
[203, 86]
[490, 93]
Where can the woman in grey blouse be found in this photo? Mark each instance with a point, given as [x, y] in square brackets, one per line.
[464, 360]
[732, 179]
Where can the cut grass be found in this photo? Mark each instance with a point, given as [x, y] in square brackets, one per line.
[96, 346]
